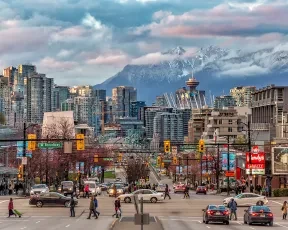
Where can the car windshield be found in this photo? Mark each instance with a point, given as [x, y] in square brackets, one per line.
[91, 185]
[217, 207]
[39, 186]
[260, 209]
[239, 196]
[67, 184]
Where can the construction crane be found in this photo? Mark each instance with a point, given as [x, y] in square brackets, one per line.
[103, 117]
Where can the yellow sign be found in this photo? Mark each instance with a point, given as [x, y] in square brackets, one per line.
[80, 143]
[96, 159]
[31, 144]
[120, 157]
[167, 146]
[175, 161]
[158, 161]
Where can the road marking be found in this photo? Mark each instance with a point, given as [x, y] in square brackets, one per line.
[37, 222]
[239, 223]
[281, 225]
[208, 226]
[199, 222]
[276, 202]
[67, 225]
[23, 228]
[252, 228]
[3, 201]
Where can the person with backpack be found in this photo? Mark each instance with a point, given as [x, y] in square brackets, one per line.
[92, 208]
[186, 192]
[232, 205]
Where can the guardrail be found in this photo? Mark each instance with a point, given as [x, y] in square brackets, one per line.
[155, 172]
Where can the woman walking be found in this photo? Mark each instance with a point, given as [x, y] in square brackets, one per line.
[10, 208]
[284, 210]
[167, 192]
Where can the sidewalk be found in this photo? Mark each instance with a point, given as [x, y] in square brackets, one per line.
[14, 197]
[118, 225]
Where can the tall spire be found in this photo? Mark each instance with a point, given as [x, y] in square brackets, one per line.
[192, 83]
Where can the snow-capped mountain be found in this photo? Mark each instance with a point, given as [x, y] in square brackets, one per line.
[217, 70]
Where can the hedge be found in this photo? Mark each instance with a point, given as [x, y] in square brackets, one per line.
[280, 192]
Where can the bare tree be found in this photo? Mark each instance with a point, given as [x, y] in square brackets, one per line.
[136, 169]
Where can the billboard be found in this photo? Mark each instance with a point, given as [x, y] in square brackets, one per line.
[258, 158]
[20, 148]
[257, 163]
[232, 161]
[280, 160]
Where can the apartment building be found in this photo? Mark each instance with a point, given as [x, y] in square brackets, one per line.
[243, 95]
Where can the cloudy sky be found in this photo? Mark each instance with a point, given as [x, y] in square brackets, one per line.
[88, 41]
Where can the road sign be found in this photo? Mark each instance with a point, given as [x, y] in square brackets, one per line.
[229, 174]
[167, 161]
[107, 159]
[24, 160]
[80, 143]
[49, 145]
[174, 150]
[187, 147]
[31, 144]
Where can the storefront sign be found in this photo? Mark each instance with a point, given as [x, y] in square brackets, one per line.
[255, 166]
[256, 171]
[258, 158]
[257, 162]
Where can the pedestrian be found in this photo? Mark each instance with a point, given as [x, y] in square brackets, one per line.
[11, 208]
[117, 206]
[232, 205]
[284, 210]
[186, 192]
[92, 208]
[167, 192]
[72, 207]
[86, 190]
[96, 206]
[251, 188]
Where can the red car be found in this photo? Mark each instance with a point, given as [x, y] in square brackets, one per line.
[201, 189]
[179, 188]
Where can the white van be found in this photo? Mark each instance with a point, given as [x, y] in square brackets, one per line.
[93, 187]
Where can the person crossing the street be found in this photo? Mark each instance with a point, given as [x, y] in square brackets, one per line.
[186, 192]
[96, 205]
[117, 206]
[167, 192]
[92, 208]
[232, 205]
[72, 207]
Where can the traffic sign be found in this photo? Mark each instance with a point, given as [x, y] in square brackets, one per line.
[24, 160]
[107, 159]
[52, 145]
[31, 144]
[229, 174]
[167, 161]
[188, 147]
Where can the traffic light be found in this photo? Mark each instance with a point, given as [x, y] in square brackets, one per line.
[120, 156]
[175, 161]
[20, 172]
[96, 159]
[201, 148]
[80, 143]
[162, 165]
[31, 144]
[167, 146]
[158, 161]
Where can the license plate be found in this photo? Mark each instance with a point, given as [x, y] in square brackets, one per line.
[262, 215]
[218, 213]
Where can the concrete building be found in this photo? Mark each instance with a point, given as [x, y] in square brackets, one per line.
[130, 125]
[160, 101]
[224, 101]
[17, 110]
[38, 97]
[135, 109]
[10, 73]
[68, 105]
[186, 115]
[5, 95]
[243, 95]
[99, 94]
[169, 126]
[83, 110]
[82, 91]
[122, 96]
[269, 104]
[60, 94]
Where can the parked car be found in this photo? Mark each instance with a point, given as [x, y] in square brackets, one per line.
[179, 188]
[177, 184]
[38, 189]
[51, 199]
[247, 199]
[259, 215]
[94, 189]
[147, 194]
[216, 213]
[201, 189]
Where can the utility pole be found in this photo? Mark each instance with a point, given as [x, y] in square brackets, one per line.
[250, 154]
[217, 166]
[228, 165]
[24, 155]
[187, 161]
[46, 177]
[201, 168]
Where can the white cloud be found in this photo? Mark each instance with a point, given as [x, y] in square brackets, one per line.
[111, 59]
[243, 69]
[152, 58]
[65, 53]
[55, 65]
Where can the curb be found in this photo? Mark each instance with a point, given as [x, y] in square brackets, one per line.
[113, 224]
[159, 222]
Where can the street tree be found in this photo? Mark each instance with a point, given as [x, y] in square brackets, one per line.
[136, 169]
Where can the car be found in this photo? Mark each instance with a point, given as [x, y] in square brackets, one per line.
[38, 189]
[66, 188]
[247, 199]
[259, 215]
[216, 213]
[104, 186]
[119, 190]
[179, 188]
[201, 189]
[147, 194]
[178, 183]
[118, 179]
[51, 199]
[160, 188]
[94, 189]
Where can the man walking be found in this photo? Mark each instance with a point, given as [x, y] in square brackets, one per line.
[72, 207]
[232, 205]
[167, 192]
[92, 208]
[96, 205]
[186, 192]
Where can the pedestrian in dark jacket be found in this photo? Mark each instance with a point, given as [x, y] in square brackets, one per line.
[96, 206]
[167, 192]
[232, 205]
[72, 207]
[117, 205]
[186, 192]
[92, 208]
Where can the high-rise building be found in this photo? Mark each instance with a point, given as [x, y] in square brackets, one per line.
[243, 95]
[122, 96]
[38, 97]
[68, 105]
[82, 91]
[83, 110]
[17, 110]
[169, 126]
[60, 94]
[99, 94]
[224, 101]
[135, 109]
[186, 115]
[10, 73]
[5, 95]
[160, 101]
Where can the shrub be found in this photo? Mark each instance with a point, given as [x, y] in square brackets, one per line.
[280, 192]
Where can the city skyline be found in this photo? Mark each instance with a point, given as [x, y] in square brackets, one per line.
[92, 45]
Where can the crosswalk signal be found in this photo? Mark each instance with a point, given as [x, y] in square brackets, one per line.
[96, 159]
[201, 146]
[162, 165]
[158, 161]
[80, 143]
[175, 161]
[120, 157]
[167, 146]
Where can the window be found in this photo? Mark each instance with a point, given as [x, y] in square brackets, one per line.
[260, 208]
[147, 192]
[220, 122]
[230, 122]
[230, 129]
[54, 195]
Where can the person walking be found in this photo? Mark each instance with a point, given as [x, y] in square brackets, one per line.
[117, 206]
[167, 192]
[11, 208]
[284, 210]
[186, 192]
[86, 190]
[232, 205]
[92, 208]
[72, 207]
[96, 206]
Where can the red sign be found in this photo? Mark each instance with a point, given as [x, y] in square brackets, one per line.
[255, 166]
[229, 174]
[258, 158]
[255, 150]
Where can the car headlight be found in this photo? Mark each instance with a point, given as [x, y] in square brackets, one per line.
[31, 192]
[120, 190]
[70, 189]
